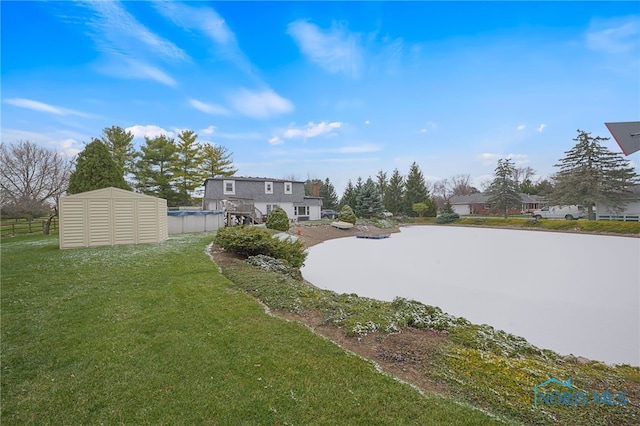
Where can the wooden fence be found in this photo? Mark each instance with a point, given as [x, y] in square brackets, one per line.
[13, 227]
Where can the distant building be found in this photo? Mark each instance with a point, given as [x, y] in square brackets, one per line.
[630, 212]
[479, 204]
[251, 199]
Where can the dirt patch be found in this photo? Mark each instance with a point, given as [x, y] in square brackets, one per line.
[405, 355]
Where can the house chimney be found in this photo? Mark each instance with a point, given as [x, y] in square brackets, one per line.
[315, 189]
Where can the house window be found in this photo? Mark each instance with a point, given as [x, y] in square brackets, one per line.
[268, 187]
[288, 188]
[270, 208]
[229, 187]
[301, 211]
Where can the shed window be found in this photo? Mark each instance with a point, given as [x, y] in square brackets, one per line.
[301, 211]
[229, 187]
[268, 187]
[288, 188]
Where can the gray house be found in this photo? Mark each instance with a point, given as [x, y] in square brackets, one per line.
[252, 199]
[479, 204]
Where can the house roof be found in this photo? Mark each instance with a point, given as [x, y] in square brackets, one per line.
[483, 198]
[252, 179]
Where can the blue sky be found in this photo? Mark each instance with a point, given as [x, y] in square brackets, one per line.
[326, 89]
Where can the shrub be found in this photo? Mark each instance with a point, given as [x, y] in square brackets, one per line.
[252, 241]
[447, 217]
[347, 215]
[278, 220]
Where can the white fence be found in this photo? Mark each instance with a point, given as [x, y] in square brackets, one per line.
[188, 221]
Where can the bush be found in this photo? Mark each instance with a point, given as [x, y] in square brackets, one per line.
[347, 215]
[278, 220]
[447, 217]
[252, 241]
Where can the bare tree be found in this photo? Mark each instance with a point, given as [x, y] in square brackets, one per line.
[32, 179]
[461, 185]
[523, 174]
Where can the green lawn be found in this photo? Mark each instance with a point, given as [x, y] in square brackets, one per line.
[156, 335]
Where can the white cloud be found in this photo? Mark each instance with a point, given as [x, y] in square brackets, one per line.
[430, 125]
[616, 35]
[336, 49]
[240, 136]
[521, 127]
[367, 122]
[68, 147]
[207, 21]
[209, 130]
[489, 158]
[312, 130]
[42, 107]
[62, 141]
[208, 108]
[261, 104]
[276, 140]
[149, 131]
[541, 127]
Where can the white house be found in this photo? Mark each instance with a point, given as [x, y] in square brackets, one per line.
[631, 211]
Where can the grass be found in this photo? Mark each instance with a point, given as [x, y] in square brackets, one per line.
[582, 225]
[482, 366]
[156, 335]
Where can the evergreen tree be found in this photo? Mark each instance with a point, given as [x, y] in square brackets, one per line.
[381, 182]
[349, 196]
[154, 169]
[415, 190]
[187, 168]
[95, 169]
[368, 200]
[329, 196]
[394, 193]
[591, 174]
[119, 143]
[216, 161]
[504, 191]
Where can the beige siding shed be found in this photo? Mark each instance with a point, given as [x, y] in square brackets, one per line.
[111, 216]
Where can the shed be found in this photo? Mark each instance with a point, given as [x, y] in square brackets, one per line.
[111, 216]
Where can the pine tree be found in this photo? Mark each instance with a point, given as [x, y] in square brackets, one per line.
[348, 196]
[591, 174]
[119, 143]
[154, 169]
[216, 161]
[187, 167]
[368, 200]
[504, 192]
[381, 182]
[328, 194]
[394, 193]
[415, 190]
[95, 169]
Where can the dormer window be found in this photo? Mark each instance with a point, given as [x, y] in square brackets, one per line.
[268, 187]
[229, 187]
[288, 188]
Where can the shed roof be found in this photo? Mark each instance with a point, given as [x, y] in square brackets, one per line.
[109, 192]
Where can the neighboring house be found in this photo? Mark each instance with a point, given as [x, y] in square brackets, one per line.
[631, 211]
[250, 198]
[479, 204]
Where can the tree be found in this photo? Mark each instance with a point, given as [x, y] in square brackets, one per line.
[461, 185]
[32, 179]
[395, 193]
[119, 144]
[154, 168]
[309, 185]
[415, 189]
[349, 196]
[503, 190]
[187, 167]
[591, 174]
[368, 200]
[96, 169]
[216, 161]
[427, 208]
[523, 176]
[381, 182]
[278, 220]
[328, 194]
[347, 215]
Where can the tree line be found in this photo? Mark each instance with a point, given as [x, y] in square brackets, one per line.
[33, 178]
